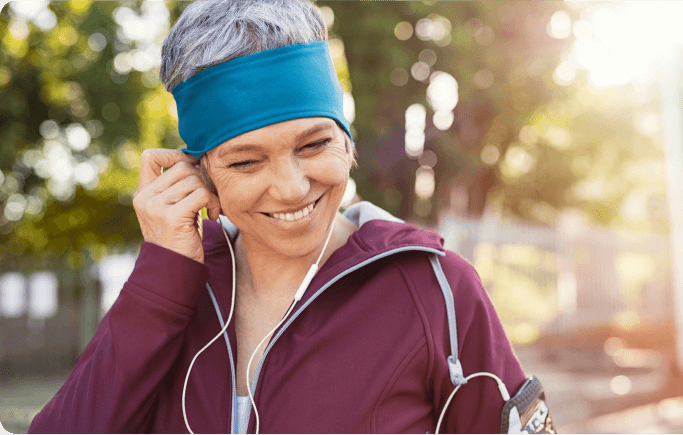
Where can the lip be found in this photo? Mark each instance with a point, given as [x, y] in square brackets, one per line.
[302, 220]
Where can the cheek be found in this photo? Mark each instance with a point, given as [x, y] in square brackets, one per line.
[332, 169]
[236, 193]
[331, 173]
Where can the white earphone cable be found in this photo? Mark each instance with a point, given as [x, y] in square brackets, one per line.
[297, 296]
[302, 288]
[232, 308]
[251, 396]
[501, 386]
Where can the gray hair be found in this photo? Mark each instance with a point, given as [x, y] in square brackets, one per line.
[210, 32]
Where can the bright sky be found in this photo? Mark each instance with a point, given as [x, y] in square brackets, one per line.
[621, 42]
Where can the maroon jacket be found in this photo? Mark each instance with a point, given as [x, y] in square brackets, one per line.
[365, 350]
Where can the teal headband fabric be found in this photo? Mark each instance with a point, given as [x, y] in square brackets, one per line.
[253, 91]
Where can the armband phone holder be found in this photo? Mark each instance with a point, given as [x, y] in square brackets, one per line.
[527, 411]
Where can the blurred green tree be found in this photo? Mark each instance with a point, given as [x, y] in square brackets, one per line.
[518, 139]
[80, 99]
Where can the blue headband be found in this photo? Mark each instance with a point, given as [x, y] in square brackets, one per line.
[250, 92]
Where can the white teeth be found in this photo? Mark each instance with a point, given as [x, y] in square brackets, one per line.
[294, 216]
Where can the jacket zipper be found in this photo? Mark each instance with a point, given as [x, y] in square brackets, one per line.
[254, 381]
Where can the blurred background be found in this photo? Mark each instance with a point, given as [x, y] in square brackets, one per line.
[541, 139]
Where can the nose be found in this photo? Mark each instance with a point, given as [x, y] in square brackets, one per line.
[289, 182]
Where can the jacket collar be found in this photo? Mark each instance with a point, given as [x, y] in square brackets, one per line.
[379, 235]
[364, 212]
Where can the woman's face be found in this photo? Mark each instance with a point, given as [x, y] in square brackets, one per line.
[281, 185]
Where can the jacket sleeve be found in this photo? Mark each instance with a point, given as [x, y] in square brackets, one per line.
[482, 347]
[115, 381]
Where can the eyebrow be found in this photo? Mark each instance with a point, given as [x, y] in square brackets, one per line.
[321, 126]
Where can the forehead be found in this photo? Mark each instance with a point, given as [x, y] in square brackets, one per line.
[282, 133]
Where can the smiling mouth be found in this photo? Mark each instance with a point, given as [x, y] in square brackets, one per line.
[295, 216]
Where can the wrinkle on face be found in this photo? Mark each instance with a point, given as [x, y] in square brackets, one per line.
[349, 154]
[246, 194]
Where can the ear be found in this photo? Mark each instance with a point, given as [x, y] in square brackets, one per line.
[351, 153]
[205, 175]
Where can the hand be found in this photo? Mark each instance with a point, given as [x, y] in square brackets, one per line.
[167, 204]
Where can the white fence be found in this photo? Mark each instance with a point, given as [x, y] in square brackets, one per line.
[553, 280]
[541, 280]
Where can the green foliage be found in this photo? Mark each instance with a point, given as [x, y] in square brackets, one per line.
[516, 38]
[78, 74]
[503, 60]
[67, 74]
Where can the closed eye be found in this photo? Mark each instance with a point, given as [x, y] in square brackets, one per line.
[243, 165]
[315, 145]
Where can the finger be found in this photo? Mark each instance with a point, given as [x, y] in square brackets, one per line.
[153, 159]
[174, 175]
[183, 188]
[180, 189]
[197, 200]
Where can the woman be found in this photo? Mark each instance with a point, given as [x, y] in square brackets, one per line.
[365, 340]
